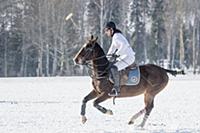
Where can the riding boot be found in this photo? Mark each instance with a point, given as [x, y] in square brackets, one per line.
[116, 77]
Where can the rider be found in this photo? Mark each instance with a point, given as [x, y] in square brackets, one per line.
[121, 47]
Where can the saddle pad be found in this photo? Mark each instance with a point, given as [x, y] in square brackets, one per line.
[133, 76]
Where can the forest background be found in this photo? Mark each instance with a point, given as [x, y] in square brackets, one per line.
[41, 37]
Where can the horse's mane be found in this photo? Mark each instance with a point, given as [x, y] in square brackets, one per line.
[101, 62]
[101, 51]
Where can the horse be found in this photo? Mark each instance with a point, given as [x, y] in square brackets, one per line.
[153, 80]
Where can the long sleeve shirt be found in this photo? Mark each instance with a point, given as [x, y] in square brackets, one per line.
[125, 52]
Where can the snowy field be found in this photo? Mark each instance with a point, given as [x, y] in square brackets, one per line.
[52, 105]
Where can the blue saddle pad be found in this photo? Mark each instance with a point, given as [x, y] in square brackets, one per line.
[133, 76]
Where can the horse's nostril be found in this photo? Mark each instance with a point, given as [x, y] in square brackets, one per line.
[75, 60]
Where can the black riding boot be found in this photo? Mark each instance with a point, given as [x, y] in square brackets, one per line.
[115, 75]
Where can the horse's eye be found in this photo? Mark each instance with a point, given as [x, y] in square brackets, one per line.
[89, 46]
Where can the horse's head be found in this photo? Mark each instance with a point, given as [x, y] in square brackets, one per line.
[87, 51]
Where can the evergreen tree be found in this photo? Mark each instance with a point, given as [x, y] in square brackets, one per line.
[139, 15]
[157, 47]
[11, 37]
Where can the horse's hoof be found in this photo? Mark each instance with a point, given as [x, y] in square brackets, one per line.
[109, 112]
[83, 119]
[130, 122]
[141, 126]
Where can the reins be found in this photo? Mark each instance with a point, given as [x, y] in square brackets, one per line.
[91, 66]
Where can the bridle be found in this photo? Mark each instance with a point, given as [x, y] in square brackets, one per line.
[91, 66]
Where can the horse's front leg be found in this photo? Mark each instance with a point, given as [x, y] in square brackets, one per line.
[100, 99]
[87, 98]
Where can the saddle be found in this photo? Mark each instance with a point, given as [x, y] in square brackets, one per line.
[130, 75]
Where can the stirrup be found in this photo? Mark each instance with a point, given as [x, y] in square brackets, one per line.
[114, 93]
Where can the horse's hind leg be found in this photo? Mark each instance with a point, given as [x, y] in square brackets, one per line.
[149, 104]
[148, 99]
[90, 96]
[135, 116]
[100, 99]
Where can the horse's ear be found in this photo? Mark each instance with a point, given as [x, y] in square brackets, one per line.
[92, 37]
[96, 39]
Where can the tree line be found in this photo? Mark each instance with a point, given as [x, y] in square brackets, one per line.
[40, 37]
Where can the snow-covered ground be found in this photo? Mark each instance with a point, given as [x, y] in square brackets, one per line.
[52, 105]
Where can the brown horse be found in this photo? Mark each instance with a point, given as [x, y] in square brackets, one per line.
[153, 80]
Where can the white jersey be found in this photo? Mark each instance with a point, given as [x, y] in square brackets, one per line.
[125, 52]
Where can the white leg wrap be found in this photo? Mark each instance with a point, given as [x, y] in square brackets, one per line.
[138, 114]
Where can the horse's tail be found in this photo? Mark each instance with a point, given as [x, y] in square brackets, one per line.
[174, 72]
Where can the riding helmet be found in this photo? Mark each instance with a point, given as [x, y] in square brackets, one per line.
[111, 25]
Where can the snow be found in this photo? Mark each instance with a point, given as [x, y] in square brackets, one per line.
[52, 105]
